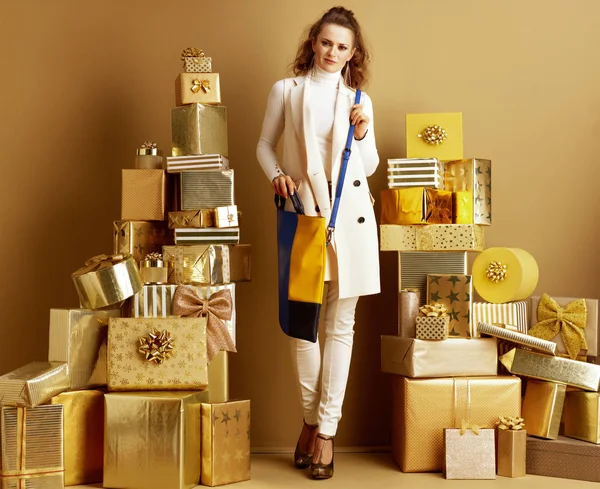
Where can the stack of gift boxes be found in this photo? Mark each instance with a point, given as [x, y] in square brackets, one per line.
[452, 411]
[135, 390]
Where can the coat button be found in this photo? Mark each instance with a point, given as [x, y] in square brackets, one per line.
[357, 183]
[361, 220]
[317, 209]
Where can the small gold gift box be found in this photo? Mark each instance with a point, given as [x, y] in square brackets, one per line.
[432, 328]
[197, 88]
[149, 157]
[434, 136]
[226, 217]
[33, 384]
[153, 269]
[416, 205]
[469, 453]
[199, 129]
[143, 195]
[512, 444]
[194, 61]
[543, 408]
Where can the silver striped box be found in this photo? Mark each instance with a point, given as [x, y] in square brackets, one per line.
[206, 189]
[415, 172]
[414, 266]
[512, 313]
[200, 236]
[176, 164]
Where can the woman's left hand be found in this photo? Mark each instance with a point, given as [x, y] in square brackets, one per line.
[360, 121]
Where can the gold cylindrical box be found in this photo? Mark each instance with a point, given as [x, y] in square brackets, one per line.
[153, 271]
[149, 159]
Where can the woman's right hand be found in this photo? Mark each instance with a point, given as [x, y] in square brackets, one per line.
[283, 186]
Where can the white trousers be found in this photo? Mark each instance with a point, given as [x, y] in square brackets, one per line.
[322, 391]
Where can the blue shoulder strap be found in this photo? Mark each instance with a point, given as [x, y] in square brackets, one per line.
[340, 183]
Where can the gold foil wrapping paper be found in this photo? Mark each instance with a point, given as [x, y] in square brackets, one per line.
[218, 377]
[472, 178]
[434, 237]
[462, 208]
[418, 430]
[199, 129]
[76, 337]
[83, 435]
[469, 455]
[203, 218]
[452, 358]
[31, 448]
[100, 286]
[543, 408]
[152, 440]
[586, 376]
[408, 309]
[143, 195]
[33, 384]
[207, 189]
[432, 328]
[518, 338]
[581, 416]
[415, 172]
[455, 292]
[416, 205]
[139, 238]
[511, 453]
[225, 443]
[197, 88]
[185, 369]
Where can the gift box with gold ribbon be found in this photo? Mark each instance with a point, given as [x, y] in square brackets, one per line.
[83, 435]
[139, 238]
[76, 337]
[31, 441]
[416, 205]
[434, 136]
[454, 292]
[543, 408]
[432, 322]
[435, 237]
[195, 61]
[471, 182]
[199, 129]
[153, 439]
[415, 172]
[512, 445]
[33, 384]
[225, 443]
[153, 269]
[469, 453]
[197, 88]
[569, 322]
[203, 218]
[581, 416]
[418, 434]
[148, 157]
[143, 195]
[106, 280]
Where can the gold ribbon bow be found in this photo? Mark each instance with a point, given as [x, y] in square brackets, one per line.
[218, 308]
[100, 262]
[148, 145]
[192, 53]
[465, 425]
[157, 346]
[569, 321]
[439, 208]
[198, 85]
[510, 423]
[433, 135]
[434, 310]
[155, 255]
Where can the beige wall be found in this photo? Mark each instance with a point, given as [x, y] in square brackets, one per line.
[83, 83]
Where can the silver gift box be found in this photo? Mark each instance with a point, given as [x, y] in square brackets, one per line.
[206, 189]
[475, 176]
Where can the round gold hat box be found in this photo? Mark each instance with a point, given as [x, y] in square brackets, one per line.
[505, 275]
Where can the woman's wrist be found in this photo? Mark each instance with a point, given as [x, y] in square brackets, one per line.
[363, 136]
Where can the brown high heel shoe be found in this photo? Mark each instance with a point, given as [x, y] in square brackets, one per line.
[319, 469]
[302, 459]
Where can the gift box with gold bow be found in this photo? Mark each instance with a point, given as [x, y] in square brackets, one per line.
[416, 205]
[471, 182]
[153, 439]
[434, 136]
[148, 157]
[581, 416]
[143, 195]
[469, 453]
[195, 61]
[571, 323]
[512, 444]
[203, 218]
[435, 237]
[207, 189]
[106, 280]
[199, 129]
[197, 88]
[32, 447]
[225, 443]
[33, 384]
[415, 172]
[432, 322]
[543, 408]
[454, 292]
[418, 433]
[138, 238]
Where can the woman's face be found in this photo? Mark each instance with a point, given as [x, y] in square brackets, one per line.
[333, 47]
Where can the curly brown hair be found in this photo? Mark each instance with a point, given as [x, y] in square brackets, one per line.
[358, 65]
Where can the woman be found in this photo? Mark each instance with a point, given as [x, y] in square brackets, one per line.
[313, 112]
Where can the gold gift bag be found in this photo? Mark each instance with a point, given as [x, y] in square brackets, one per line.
[434, 136]
[197, 88]
[33, 384]
[199, 129]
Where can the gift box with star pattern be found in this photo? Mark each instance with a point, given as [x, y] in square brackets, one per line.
[471, 181]
[453, 291]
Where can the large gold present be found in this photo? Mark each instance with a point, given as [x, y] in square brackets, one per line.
[451, 358]
[203, 218]
[143, 195]
[469, 453]
[581, 416]
[543, 408]
[434, 237]
[83, 435]
[225, 443]
[33, 384]
[31, 447]
[434, 136]
[206, 189]
[76, 337]
[152, 440]
[454, 292]
[471, 180]
[199, 129]
[418, 432]
[197, 88]
[139, 238]
[416, 205]
[157, 354]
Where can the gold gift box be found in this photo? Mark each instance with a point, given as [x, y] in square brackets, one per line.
[152, 440]
[139, 238]
[511, 453]
[83, 435]
[207, 189]
[33, 384]
[452, 358]
[218, 377]
[76, 337]
[225, 443]
[143, 195]
[434, 237]
[586, 376]
[512, 313]
[199, 129]
[416, 205]
[462, 207]
[130, 369]
[543, 408]
[471, 179]
[197, 64]
[197, 88]
[203, 218]
[418, 434]
[469, 455]
[432, 328]
[31, 447]
[444, 149]
[454, 292]
[581, 416]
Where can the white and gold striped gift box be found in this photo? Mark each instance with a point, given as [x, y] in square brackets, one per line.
[206, 236]
[206, 189]
[176, 164]
[512, 313]
[415, 172]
